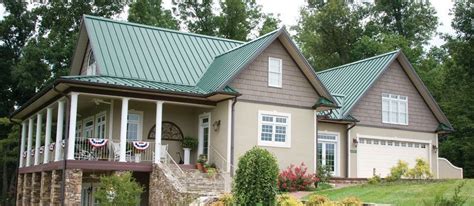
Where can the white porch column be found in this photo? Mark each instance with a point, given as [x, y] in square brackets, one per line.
[123, 129]
[39, 120]
[59, 131]
[22, 144]
[159, 118]
[72, 126]
[47, 141]
[30, 142]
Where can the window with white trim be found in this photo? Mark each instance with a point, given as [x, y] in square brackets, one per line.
[88, 127]
[100, 125]
[91, 64]
[274, 72]
[134, 125]
[274, 129]
[394, 109]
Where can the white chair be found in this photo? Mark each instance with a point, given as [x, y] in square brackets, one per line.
[116, 149]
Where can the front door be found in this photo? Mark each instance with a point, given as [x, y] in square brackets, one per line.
[204, 120]
[327, 152]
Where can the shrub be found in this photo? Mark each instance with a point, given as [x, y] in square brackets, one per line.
[256, 177]
[118, 190]
[455, 200]
[316, 200]
[420, 171]
[374, 180]
[189, 142]
[323, 173]
[288, 200]
[296, 179]
[351, 201]
[398, 171]
[224, 200]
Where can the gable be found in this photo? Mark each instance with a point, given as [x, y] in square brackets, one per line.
[394, 80]
[252, 81]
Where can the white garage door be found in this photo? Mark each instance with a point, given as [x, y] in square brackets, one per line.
[380, 155]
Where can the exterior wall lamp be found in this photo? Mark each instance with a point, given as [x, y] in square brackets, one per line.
[355, 142]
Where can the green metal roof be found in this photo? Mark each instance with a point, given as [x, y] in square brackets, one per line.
[137, 83]
[130, 50]
[349, 82]
[228, 64]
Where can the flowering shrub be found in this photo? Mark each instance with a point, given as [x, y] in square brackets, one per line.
[295, 178]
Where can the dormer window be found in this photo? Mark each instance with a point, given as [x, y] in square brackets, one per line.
[91, 64]
[274, 72]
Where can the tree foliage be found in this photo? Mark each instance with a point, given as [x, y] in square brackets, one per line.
[270, 23]
[151, 12]
[118, 190]
[198, 17]
[238, 18]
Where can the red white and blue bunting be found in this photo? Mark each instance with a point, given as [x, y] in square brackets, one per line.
[140, 145]
[95, 142]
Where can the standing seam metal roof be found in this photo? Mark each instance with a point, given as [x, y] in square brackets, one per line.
[353, 79]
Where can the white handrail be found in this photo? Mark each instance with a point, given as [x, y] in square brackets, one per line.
[179, 168]
[220, 155]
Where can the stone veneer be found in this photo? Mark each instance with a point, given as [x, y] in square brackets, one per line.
[165, 191]
[45, 190]
[55, 193]
[26, 190]
[19, 189]
[35, 188]
[73, 187]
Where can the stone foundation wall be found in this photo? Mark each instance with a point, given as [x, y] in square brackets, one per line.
[45, 189]
[55, 194]
[163, 191]
[35, 188]
[19, 189]
[26, 190]
[73, 187]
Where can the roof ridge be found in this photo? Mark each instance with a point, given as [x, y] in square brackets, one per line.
[163, 29]
[357, 62]
[249, 42]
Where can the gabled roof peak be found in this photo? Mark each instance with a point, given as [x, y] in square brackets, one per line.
[253, 40]
[359, 61]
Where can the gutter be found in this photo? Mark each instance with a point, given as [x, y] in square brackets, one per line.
[232, 136]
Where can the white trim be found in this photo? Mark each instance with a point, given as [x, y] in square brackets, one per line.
[229, 133]
[315, 141]
[281, 72]
[287, 143]
[337, 141]
[201, 132]
[84, 122]
[96, 124]
[398, 101]
[140, 122]
[393, 138]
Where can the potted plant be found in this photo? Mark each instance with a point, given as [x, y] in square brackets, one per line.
[201, 161]
[188, 144]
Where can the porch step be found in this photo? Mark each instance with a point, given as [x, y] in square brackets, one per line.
[196, 181]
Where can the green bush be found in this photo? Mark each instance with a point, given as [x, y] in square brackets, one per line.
[374, 180]
[288, 200]
[118, 190]
[420, 171]
[255, 180]
[455, 200]
[324, 173]
[351, 201]
[398, 171]
[226, 199]
[316, 200]
[189, 142]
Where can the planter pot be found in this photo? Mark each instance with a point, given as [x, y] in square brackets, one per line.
[199, 166]
[187, 153]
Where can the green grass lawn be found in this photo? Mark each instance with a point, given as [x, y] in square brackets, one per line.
[403, 193]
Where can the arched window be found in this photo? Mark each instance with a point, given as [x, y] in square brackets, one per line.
[91, 64]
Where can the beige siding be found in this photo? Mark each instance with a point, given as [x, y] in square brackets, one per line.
[361, 131]
[395, 81]
[252, 82]
[448, 171]
[302, 133]
[340, 130]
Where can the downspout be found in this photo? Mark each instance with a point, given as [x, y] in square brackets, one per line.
[348, 169]
[232, 137]
[63, 178]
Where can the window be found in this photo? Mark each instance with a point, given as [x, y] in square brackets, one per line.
[274, 129]
[100, 125]
[134, 125]
[78, 129]
[91, 64]
[88, 125]
[274, 72]
[394, 109]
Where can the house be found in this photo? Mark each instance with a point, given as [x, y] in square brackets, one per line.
[135, 92]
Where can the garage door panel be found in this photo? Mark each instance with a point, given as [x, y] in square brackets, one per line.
[383, 157]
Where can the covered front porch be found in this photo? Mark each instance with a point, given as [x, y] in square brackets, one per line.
[112, 128]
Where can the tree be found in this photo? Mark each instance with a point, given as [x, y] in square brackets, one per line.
[270, 24]
[120, 189]
[238, 18]
[150, 12]
[198, 17]
[327, 33]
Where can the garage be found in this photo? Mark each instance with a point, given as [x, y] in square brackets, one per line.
[379, 155]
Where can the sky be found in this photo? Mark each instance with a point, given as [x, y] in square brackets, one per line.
[289, 13]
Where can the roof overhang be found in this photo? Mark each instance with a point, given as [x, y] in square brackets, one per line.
[61, 87]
